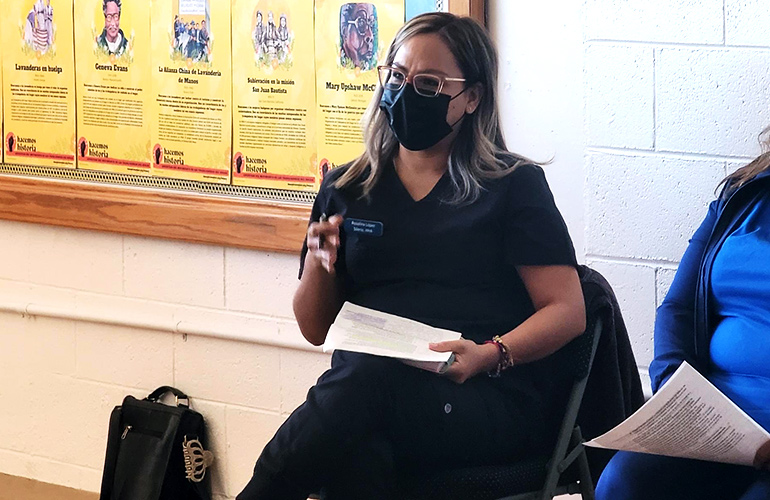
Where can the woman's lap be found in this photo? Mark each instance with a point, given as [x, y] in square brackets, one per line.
[430, 419]
[429, 422]
[638, 476]
[759, 489]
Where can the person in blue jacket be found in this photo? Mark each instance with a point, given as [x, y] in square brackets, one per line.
[716, 316]
[436, 222]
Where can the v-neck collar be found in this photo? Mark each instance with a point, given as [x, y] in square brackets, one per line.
[435, 191]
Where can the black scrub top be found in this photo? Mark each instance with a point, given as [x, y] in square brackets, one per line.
[450, 266]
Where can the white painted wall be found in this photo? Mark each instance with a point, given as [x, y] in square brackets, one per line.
[541, 83]
[61, 378]
[643, 105]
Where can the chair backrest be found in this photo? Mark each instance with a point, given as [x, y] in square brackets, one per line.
[580, 352]
[614, 389]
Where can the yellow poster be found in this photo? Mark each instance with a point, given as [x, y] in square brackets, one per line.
[192, 124]
[38, 82]
[1, 84]
[274, 94]
[352, 39]
[112, 42]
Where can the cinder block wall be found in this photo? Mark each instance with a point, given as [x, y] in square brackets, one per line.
[61, 378]
[643, 106]
[676, 93]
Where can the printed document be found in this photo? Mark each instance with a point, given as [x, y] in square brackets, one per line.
[688, 418]
[360, 329]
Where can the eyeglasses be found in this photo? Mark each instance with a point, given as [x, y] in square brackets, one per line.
[110, 18]
[424, 84]
[362, 22]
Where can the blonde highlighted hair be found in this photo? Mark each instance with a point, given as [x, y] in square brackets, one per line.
[479, 151]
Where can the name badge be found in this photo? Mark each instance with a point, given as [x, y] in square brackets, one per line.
[363, 227]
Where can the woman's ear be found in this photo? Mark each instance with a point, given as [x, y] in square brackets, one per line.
[475, 92]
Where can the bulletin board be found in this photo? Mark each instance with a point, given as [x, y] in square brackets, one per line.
[184, 208]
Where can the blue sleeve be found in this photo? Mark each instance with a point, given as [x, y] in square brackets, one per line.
[675, 320]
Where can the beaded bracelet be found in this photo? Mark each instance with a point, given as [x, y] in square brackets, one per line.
[505, 360]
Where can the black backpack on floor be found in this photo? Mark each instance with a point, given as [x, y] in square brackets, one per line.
[156, 451]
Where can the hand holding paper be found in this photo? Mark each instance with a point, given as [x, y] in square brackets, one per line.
[470, 358]
[762, 458]
[360, 329]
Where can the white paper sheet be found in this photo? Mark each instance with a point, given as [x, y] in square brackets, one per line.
[360, 329]
[689, 418]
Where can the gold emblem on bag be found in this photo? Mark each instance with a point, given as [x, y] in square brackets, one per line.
[196, 460]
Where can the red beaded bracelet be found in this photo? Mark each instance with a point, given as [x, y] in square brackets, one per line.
[505, 360]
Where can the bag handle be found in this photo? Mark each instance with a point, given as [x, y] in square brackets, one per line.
[160, 391]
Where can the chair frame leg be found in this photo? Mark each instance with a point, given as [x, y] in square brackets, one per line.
[586, 483]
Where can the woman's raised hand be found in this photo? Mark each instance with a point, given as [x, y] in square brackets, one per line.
[323, 240]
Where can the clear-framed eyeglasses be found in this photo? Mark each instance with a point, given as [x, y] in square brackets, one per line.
[425, 84]
[362, 22]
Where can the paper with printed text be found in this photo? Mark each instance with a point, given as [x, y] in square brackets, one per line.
[688, 418]
[360, 329]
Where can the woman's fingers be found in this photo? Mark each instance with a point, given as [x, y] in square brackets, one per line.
[458, 370]
[762, 458]
[325, 231]
[323, 240]
[470, 358]
[336, 220]
[447, 346]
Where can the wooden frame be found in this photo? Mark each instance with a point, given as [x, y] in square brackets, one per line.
[257, 224]
[229, 221]
[473, 8]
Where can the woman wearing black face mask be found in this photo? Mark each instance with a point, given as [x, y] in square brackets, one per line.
[462, 235]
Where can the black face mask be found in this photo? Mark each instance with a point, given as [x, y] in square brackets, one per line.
[419, 122]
